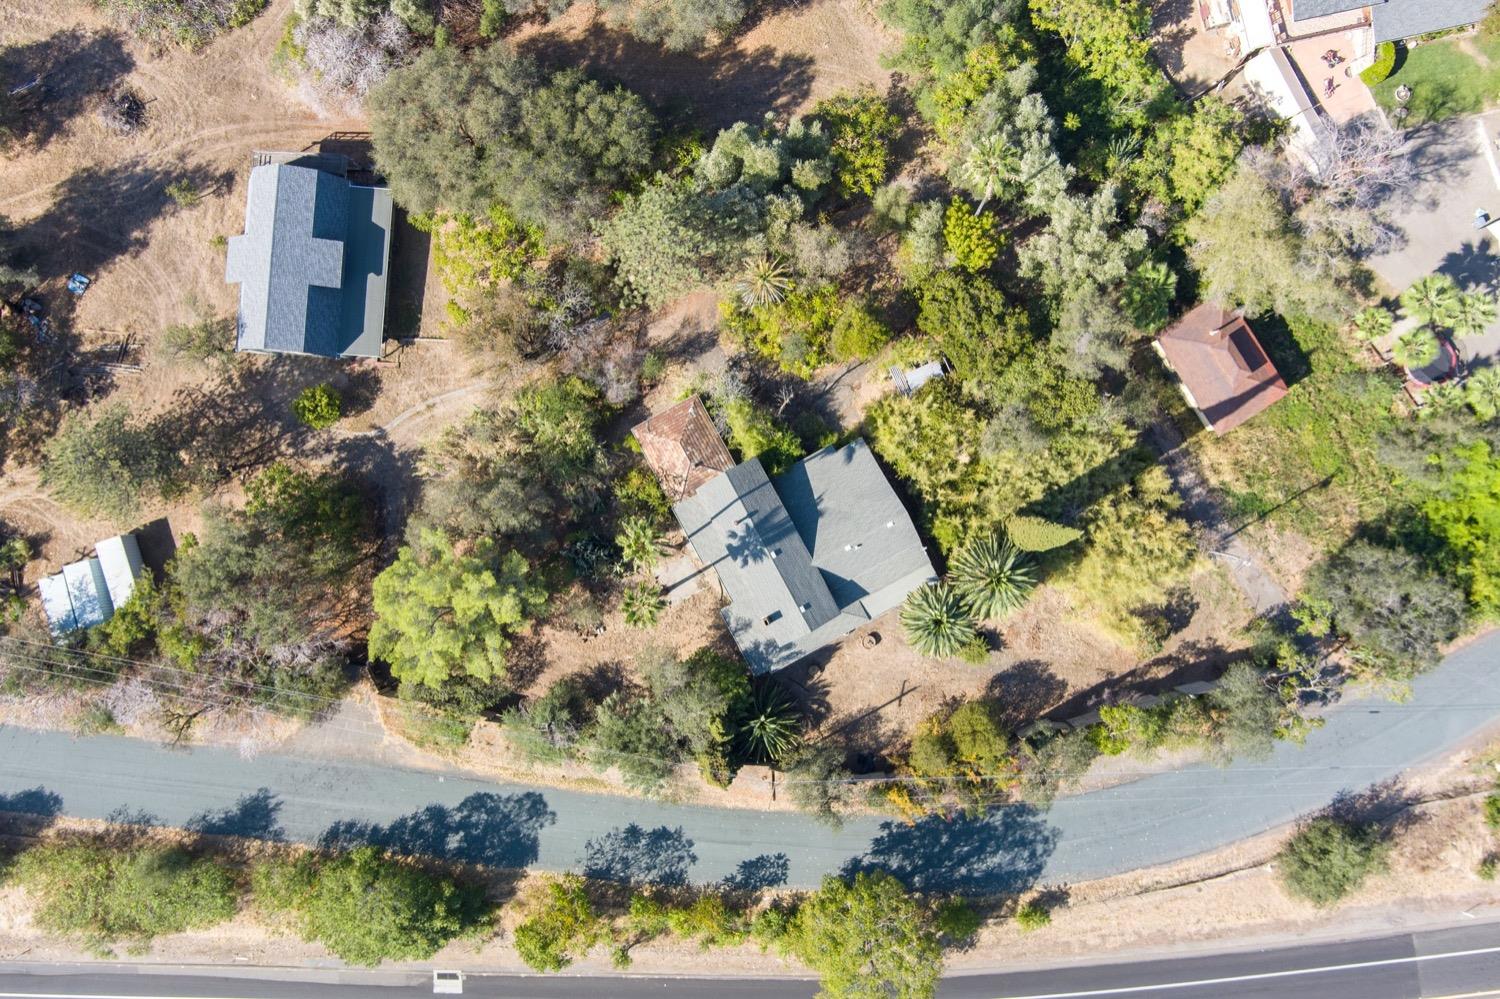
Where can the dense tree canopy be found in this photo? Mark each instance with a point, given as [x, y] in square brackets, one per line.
[443, 609]
[463, 131]
[867, 937]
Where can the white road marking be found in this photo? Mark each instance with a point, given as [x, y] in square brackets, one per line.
[1260, 976]
[1489, 150]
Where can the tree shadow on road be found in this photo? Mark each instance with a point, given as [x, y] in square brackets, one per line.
[635, 856]
[499, 830]
[253, 816]
[1004, 851]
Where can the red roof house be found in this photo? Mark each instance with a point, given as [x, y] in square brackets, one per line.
[683, 448]
[1220, 366]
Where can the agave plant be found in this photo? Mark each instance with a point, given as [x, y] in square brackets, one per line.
[1373, 323]
[937, 620]
[640, 542]
[1416, 349]
[643, 605]
[764, 281]
[1473, 313]
[992, 577]
[771, 730]
[1431, 300]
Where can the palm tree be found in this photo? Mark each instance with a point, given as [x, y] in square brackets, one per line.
[993, 577]
[1373, 323]
[1431, 300]
[1416, 349]
[936, 620]
[990, 162]
[1482, 393]
[1473, 313]
[771, 730]
[643, 605]
[640, 542]
[764, 281]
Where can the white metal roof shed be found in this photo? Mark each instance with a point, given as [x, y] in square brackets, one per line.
[120, 558]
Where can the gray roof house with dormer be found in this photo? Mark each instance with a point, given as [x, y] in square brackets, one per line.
[312, 263]
[808, 557]
[1393, 20]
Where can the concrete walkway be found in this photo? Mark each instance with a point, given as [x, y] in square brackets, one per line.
[1153, 820]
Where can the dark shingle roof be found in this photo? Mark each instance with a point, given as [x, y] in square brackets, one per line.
[808, 559]
[1398, 19]
[311, 264]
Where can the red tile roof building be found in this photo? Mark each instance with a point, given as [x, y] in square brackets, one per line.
[1222, 368]
[683, 448]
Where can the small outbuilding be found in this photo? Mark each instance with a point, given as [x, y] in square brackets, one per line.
[684, 449]
[312, 263]
[88, 592]
[1224, 373]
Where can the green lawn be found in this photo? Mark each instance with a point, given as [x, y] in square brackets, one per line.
[1445, 80]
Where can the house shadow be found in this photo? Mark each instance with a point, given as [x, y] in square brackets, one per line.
[158, 544]
[1004, 851]
[709, 88]
[632, 855]
[497, 830]
[69, 69]
[411, 254]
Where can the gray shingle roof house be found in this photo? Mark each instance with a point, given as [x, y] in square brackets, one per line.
[312, 263]
[808, 557]
[1393, 20]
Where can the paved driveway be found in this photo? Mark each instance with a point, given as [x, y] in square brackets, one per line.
[1461, 175]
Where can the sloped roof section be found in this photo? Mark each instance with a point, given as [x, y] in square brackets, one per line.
[1302, 10]
[809, 558]
[1222, 366]
[89, 591]
[311, 264]
[682, 447]
[1398, 19]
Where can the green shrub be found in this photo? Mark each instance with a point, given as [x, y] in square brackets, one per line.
[102, 894]
[1032, 916]
[857, 334]
[366, 907]
[1492, 811]
[956, 920]
[970, 237]
[1487, 868]
[1385, 61]
[318, 406]
[639, 494]
[562, 927]
[755, 433]
[861, 126]
[1327, 859]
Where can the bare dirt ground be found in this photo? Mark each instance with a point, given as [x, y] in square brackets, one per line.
[785, 63]
[90, 200]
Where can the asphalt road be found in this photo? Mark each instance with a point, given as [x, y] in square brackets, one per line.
[1153, 820]
[1443, 963]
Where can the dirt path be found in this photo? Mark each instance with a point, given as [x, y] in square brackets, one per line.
[1215, 538]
